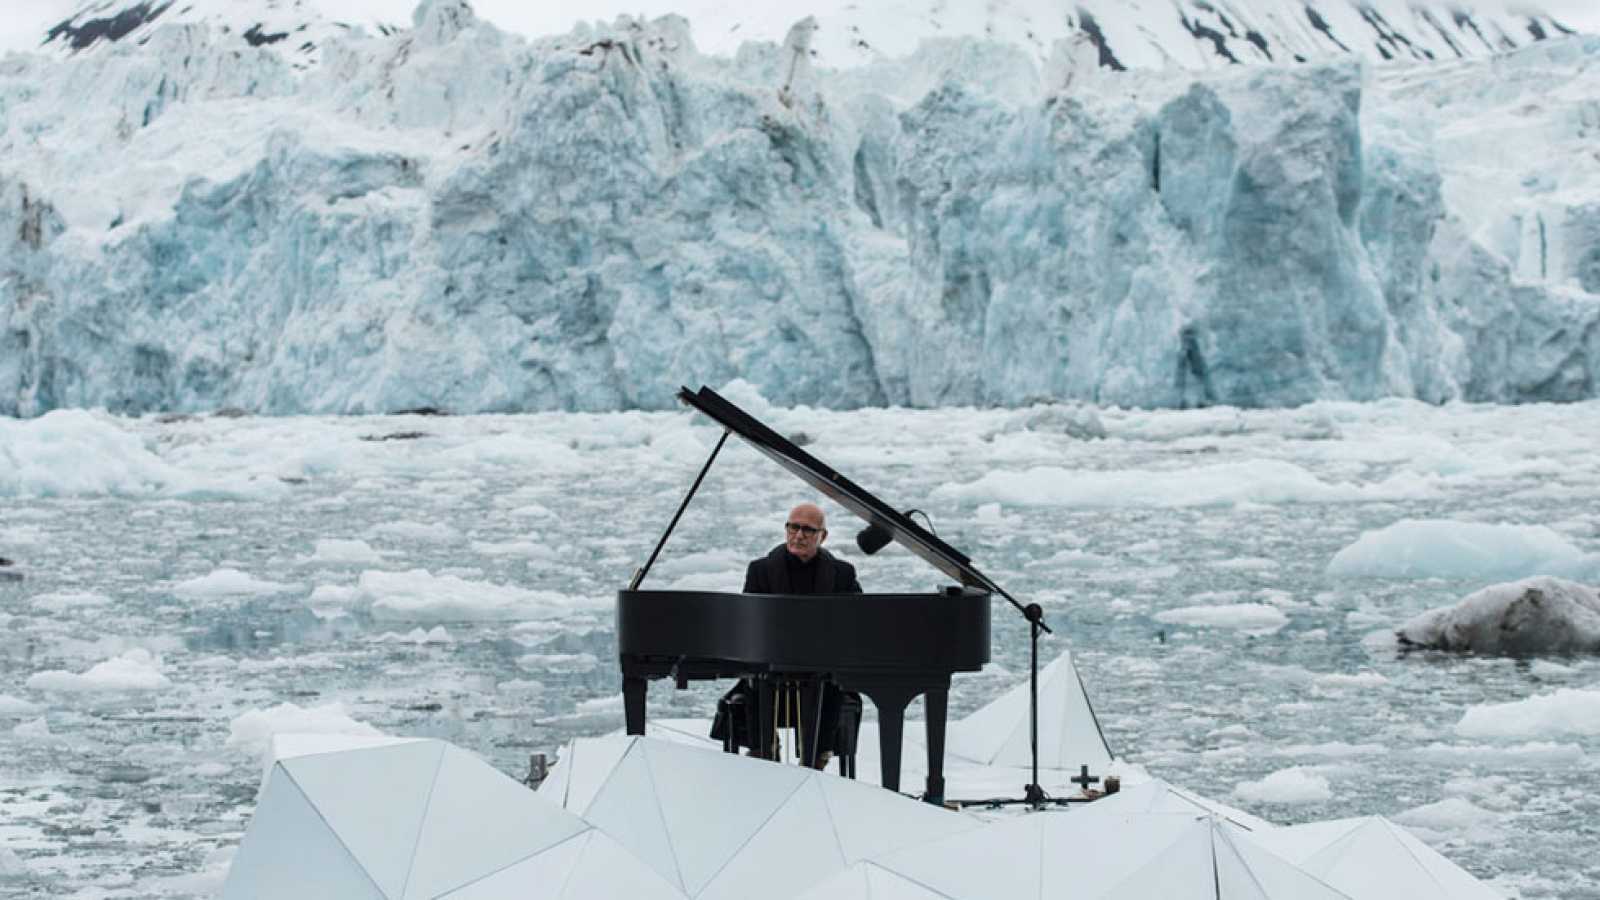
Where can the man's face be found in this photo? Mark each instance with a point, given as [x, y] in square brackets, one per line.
[804, 533]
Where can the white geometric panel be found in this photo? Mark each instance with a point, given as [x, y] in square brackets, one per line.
[794, 849]
[607, 870]
[374, 800]
[849, 883]
[868, 881]
[998, 860]
[557, 779]
[289, 851]
[626, 808]
[1275, 876]
[584, 766]
[1457, 883]
[1160, 798]
[1373, 857]
[289, 745]
[885, 885]
[1087, 855]
[1069, 734]
[872, 821]
[479, 820]
[1182, 870]
[1299, 843]
[1177, 796]
[542, 876]
[712, 802]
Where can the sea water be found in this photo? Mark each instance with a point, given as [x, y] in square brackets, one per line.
[192, 586]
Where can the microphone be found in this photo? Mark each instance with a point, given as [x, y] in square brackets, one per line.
[873, 538]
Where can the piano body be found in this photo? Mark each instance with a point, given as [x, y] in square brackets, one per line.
[889, 647]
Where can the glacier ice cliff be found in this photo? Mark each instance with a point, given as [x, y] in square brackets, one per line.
[455, 218]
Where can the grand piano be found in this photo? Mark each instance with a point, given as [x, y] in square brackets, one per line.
[889, 647]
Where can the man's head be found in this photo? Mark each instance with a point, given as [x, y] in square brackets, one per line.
[805, 531]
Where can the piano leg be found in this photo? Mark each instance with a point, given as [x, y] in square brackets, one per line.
[763, 743]
[936, 700]
[891, 703]
[811, 694]
[633, 694]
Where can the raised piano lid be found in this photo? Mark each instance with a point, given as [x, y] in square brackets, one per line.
[838, 488]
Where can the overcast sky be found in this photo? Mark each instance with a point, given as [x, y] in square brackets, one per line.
[25, 21]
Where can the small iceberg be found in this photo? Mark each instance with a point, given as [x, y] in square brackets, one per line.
[1519, 618]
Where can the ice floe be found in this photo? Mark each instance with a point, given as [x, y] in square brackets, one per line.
[228, 582]
[136, 670]
[1447, 548]
[1565, 712]
[1257, 618]
[417, 595]
[1256, 481]
[1534, 615]
[252, 731]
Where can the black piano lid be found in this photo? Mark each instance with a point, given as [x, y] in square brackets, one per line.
[838, 488]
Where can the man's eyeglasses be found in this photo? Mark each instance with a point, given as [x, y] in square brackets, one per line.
[797, 528]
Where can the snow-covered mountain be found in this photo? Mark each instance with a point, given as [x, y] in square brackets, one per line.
[444, 215]
[296, 29]
[1123, 33]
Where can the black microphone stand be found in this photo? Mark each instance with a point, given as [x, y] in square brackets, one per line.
[1032, 794]
[872, 539]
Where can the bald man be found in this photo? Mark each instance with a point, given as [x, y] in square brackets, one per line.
[799, 565]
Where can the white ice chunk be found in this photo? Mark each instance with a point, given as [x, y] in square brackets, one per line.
[1567, 711]
[226, 582]
[73, 453]
[525, 549]
[419, 532]
[16, 706]
[1453, 816]
[1535, 615]
[1254, 481]
[1257, 618]
[1445, 548]
[435, 635]
[253, 730]
[420, 596]
[1343, 680]
[558, 662]
[136, 670]
[337, 551]
[33, 730]
[64, 601]
[1294, 785]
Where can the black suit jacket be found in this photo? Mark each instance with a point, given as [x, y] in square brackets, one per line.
[770, 575]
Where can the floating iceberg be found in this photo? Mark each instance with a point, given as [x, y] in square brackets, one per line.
[1535, 615]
